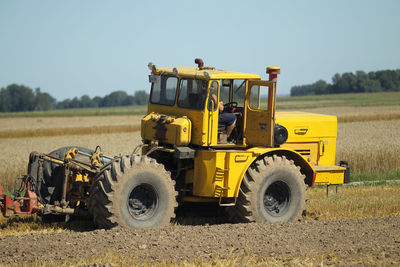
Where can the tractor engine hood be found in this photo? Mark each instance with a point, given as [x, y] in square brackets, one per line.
[166, 129]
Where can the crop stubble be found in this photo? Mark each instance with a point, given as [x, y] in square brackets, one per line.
[61, 126]
[352, 114]
[66, 122]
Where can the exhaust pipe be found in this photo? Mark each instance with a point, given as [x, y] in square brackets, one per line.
[199, 62]
[273, 72]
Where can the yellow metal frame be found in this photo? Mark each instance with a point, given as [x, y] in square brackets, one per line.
[219, 173]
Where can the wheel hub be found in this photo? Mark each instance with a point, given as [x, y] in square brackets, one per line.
[276, 198]
[142, 202]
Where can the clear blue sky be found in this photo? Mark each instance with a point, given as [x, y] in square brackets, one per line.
[75, 47]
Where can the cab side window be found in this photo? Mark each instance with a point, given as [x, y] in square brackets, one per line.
[255, 97]
[238, 95]
[225, 91]
[213, 97]
[192, 93]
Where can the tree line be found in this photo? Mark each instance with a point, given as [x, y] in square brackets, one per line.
[348, 82]
[16, 97]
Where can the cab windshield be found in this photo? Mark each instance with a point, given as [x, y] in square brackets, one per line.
[163, 89]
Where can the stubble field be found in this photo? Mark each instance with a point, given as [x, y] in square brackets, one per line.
[357, 226]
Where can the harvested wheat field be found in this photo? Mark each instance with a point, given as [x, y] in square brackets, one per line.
[351, 114]
[61, 126]
[28, 123]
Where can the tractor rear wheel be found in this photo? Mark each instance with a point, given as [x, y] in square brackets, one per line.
[136, 192]
[272, 190]
[53, 174]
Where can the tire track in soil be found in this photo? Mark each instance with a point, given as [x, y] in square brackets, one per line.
[348, 238]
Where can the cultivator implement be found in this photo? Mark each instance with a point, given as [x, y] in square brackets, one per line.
[17, 204]
[56, 183]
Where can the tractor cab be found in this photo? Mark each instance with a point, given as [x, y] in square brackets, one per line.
[187, 106]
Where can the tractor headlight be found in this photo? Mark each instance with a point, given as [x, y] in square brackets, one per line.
[280, 134]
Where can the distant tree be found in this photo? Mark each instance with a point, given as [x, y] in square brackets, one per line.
[346, 83]
[16, 98]
[4, 100]
[367, 84]
[69, 103]
[388, 79]
[129, 101]
[114, 99]
[300, 90]
[96, 101]
[117, 98]
[62, 104]
[320, 87]
[43, 101]
[86, 102]
[21, 98]
[75, 103]
[384, 80]
[141, 97]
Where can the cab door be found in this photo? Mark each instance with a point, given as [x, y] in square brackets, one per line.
[260, 115]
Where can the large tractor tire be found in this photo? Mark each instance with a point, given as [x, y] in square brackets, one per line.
[272, 190]
[53, 175]
[135, 192]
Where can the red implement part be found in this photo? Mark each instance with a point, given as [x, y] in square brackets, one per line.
[28, 204]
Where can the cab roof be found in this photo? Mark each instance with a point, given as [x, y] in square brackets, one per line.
[206, 73]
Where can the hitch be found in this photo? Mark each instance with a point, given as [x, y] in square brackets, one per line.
[76, 178]
[17, 204]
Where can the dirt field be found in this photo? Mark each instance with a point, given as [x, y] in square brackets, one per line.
[341, 242]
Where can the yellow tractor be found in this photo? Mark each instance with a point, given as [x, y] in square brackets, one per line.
[209, 135]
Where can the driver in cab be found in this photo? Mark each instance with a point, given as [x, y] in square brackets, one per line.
[225, 118]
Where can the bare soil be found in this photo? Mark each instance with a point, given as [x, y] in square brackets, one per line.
[351, 240]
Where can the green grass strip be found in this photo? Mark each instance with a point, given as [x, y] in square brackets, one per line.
[378, 176]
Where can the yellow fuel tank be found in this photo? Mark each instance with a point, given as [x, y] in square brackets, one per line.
[166, 129]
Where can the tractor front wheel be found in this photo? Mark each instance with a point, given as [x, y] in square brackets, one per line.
[272, 190]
